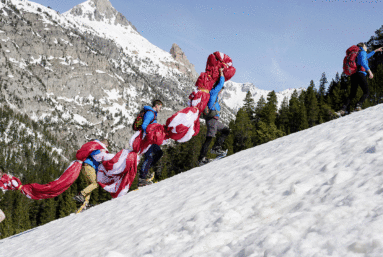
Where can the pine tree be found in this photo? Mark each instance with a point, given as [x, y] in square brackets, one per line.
[282, 119]
[20, 215]
[270, 110]
[242, 131]
[322, 85]
[47, 211]
[297, 113]
[266, 132]
[249, 105]
[311, 105]
[259, 113]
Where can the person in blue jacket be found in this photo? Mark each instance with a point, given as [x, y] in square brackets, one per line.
[89, 170]
[213, 124]
[359, 78]
[154, 153]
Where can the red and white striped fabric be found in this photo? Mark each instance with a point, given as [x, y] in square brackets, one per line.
[87, 148]
[199, 99]
[183, 125]
[140, 142]
[55, 188]
[116, 175]
[8, 182]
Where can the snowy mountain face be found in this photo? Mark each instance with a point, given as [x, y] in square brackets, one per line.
[234, 94]
[321, 196]
[85, 73]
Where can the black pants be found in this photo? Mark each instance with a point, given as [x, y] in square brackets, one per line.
[357, 79]
[152, 156]
[213, 126]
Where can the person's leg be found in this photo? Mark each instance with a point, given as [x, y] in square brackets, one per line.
[354, 87]
[225, 131]
[211, 131]
[149, 158]
[362, 79]
[157, 154]
[91, 177]
[205, 148]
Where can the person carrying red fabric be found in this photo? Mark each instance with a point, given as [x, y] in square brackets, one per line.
[90, 168]
[213, 124]
[154, 153]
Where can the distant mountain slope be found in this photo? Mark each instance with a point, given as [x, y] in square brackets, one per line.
[235, 93]
[320, 196]
[79, 81]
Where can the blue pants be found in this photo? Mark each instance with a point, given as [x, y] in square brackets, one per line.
[152, 156]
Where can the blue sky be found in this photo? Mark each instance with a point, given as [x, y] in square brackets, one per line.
[274, 44]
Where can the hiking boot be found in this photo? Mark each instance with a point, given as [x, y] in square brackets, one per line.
[150, 176]
[341, 113]
[358, 108]
[79, 198]
[217, 150]
[144, 182]
[88, 206]
[203, 161]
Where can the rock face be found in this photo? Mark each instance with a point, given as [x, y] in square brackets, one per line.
[101, 10]
[180, 56]
[79, 81]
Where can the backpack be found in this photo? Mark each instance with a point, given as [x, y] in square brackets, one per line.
[349, 62]
[140, 119]
[208, 113]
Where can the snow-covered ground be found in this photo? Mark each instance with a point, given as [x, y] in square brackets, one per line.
[315, 193]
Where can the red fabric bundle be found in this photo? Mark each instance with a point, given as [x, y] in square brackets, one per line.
[56, 187]
[117, 175]
[87, 149]
[199, 99]
[205, 81]
[214, 62]
[183, 125]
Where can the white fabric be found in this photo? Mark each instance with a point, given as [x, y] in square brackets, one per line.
[222, 55]
[102, 156]
[14, 183]
[2, 216]
[103, 145]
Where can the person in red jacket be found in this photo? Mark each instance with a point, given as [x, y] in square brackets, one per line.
[359, 78]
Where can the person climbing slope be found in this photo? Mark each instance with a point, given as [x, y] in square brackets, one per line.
[358, 78]
[90, 168]
[211, 115]
[154, 153]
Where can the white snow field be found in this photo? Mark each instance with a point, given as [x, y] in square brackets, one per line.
[315, 193]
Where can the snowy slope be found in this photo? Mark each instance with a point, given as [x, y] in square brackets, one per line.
[313, 193]
[234, 94]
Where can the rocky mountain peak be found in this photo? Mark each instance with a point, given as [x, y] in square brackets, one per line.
[180, 56]
[100, 10]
